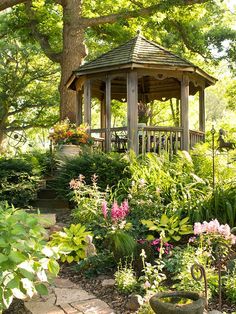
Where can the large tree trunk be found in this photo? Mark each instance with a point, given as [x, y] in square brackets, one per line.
[73, 53]
[1, 140]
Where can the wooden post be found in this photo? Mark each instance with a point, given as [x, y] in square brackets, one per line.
[132, 102]
[108, 115]
[87, 102]
[185, 112]
[79, 115]
[202, 110]
[102, 116]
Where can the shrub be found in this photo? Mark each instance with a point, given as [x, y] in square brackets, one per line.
[109, 168]
[25, 260]
[18, 181]
[42, 162]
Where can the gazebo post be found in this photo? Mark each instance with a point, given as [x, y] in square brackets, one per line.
[185, 111]
[202, 110]
[79, 117]
[102, 116]
[87, 102]
[132, 117]
[108, 115]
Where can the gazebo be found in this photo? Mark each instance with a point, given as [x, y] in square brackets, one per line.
[140, 71]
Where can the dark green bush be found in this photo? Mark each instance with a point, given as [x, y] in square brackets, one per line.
[110, 169]
[18, 181]
[41, 161]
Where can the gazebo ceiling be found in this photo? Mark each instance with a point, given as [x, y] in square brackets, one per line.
[150, 60]
[149, 89]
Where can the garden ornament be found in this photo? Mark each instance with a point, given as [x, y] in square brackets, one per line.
[90, 249]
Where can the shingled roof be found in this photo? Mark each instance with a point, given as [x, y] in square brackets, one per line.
[138, 50]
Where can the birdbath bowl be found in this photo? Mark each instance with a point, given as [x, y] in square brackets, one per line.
[177, 303]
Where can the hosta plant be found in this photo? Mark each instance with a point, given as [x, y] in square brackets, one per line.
[72, 243]
[26, 262]
[172, 228]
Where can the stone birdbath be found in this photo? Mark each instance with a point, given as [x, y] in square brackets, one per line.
[177, 302]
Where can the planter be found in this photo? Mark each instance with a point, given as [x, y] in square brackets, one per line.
[177, 303]
[68, 151]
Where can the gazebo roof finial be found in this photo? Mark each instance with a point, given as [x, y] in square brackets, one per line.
[139, 32]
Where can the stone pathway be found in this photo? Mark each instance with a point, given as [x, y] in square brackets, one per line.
[66, 297]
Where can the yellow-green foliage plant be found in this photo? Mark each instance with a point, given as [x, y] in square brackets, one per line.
[71, 243]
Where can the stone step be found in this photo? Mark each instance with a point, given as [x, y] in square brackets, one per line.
[47, 194]
[49, 203]
[50, 183]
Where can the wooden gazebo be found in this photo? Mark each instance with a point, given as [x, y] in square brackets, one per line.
[141, 71]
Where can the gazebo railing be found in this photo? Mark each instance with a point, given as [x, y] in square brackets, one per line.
[160, 139]
[196, 137]
[150, 139]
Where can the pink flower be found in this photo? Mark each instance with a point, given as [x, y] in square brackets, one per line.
[197, 228]
[233, 239]
[104, 209]
[75, 184]
[119, 213]
[224, 230]
[125, 207]
[192, 239]
[213, 226]
[115, 212]
[156, 242]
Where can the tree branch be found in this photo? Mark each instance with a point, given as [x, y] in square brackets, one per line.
[10, 3]
[19, 110]
[41, 38]
[25, 127]
[112, 18]
[187, 43]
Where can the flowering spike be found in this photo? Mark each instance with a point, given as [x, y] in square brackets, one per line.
[104, 209]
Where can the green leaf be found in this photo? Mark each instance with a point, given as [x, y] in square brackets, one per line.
[164, 220]
[150, 237]
[3, 258]
[14, 283]
[184, 221]
[176, 238]
[153, 228]
[7, 298]
[16, 257]
[3, 243]
[53, 267]
[148, 223]
[26, 273]
[70, 259]
[41, 289]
